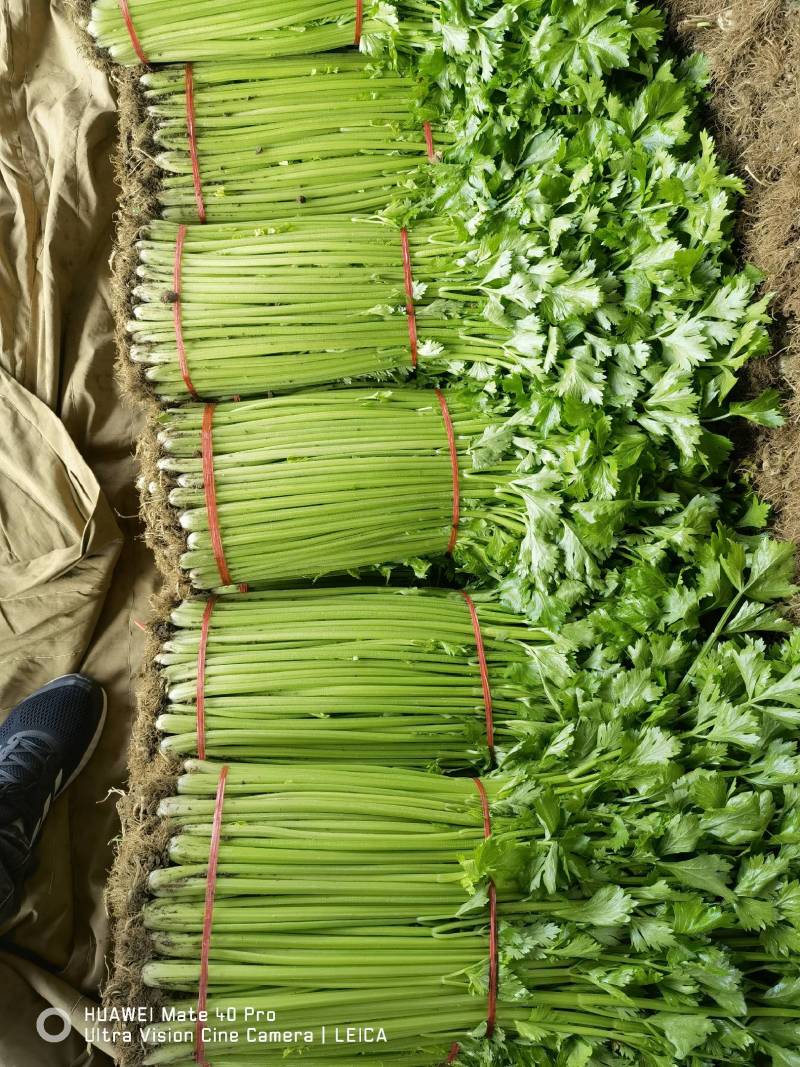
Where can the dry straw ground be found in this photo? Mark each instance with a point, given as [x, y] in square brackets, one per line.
[753, 49]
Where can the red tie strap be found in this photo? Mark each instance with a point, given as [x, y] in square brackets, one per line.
[451, 440]
[359, 23]
[200, 701]
[426, 128]
[177, 313]
[487, 691]
[208, 915]
[452, 1055]
[192, 135]
[411, 314]
[210, 490]
[126, 18]
[491, 1007]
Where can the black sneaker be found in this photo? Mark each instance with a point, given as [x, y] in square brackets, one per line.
[45, 743]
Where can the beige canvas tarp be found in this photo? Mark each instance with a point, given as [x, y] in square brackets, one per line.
[73, 574]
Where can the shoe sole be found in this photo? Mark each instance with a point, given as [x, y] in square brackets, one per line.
[92, 744]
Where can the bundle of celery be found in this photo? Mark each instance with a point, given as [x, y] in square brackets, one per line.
[337, 894]
[330, 481]
[364, 673]
[169, 32]
[627, 888]
[683, 612]
[268, 132]
[287, 137]
[304, 302]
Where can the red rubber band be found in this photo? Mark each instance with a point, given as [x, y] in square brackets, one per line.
[451, 440]
[487, 689]
[201, 676]
[411, 314]
[426, 129]
[210, 490]
[192, 135]
[208, 914]
[359, 22]
[177, 313]
[491, 1007]
[453, 1054]
[126, 18]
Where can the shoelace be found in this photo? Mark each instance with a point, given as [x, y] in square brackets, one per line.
[22, 765]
